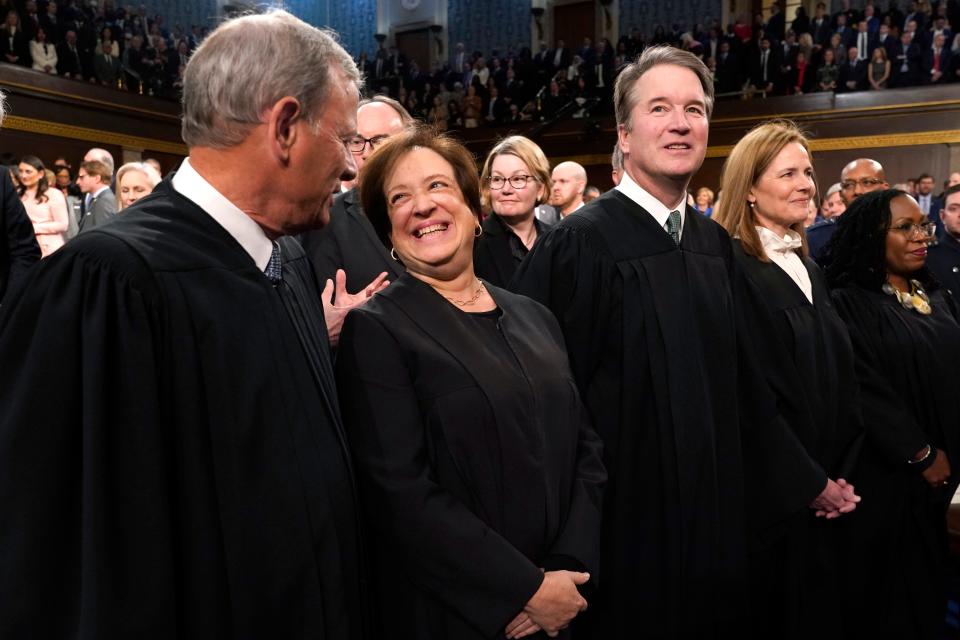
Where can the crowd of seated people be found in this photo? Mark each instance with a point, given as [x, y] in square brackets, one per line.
[850, 50]
[100, 43]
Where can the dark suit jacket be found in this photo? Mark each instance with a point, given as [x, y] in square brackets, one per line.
[21, 47]
[927, 66]
[68, 61]
[349, 242]
[106, 71]
[912, 56]
[19, 250]
[856, 72]
[102, 208]
[943, 259]
[773, 68]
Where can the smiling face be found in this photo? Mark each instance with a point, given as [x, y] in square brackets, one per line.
[781, 195]
[906, 252]
[133, 186]
[508, 201]
[668, 135]
[431, 226]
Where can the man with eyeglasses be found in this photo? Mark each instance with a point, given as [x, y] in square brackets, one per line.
[861, 176]
[347, 255]
[943, 259]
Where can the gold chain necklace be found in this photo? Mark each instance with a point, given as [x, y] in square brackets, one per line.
[466, 303]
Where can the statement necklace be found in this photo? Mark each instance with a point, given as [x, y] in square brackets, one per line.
[916, 299]
[467, 303]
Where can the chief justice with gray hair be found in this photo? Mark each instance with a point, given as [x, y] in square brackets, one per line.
[172, 459]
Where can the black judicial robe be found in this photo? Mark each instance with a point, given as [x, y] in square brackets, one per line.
[807, 360]
[896, 551]
[658, 350]
[172, 460]
[475, 460]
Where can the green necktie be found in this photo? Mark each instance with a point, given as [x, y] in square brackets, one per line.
[673, 226]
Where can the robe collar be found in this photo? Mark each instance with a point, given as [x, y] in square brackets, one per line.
[659, 211]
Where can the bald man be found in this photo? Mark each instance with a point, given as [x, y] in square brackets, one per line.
[861, 176]
[569, 182]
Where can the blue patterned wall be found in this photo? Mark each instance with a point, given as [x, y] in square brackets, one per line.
[494, 24]
[356, 22]
[645, 15]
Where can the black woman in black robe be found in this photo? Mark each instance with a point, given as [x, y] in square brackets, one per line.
[906, 338]
[479, 474]
[807, 359]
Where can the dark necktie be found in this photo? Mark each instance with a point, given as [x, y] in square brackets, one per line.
[673, 226]
[274, 270]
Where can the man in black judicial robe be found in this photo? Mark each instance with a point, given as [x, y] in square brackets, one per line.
[172, 453]
[646, 293]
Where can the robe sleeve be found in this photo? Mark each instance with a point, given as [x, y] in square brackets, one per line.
[781, 476]
[580, 537]
[85, 548]
[570, 273]
[22, 248]
[889, 426]
[447, 549]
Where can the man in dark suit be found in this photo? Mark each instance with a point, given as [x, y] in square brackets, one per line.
[936, 62]
[106, 69]
[943, 258]
[728, 69]
[905, 64]
[776, 24]
[50, 22]
[853, 73]
[559, 58]
[929, 203]
[349, 242]
[94, 178]
[766, 67]
[68, 56]
[820, 27]
[174, 365]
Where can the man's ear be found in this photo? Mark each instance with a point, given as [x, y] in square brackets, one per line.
[282, 126]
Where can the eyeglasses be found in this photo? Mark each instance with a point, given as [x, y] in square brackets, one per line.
[517, 182]
[914, 231]
[359, 143]
[866, 183]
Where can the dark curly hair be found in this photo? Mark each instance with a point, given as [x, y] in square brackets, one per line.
[857, 251]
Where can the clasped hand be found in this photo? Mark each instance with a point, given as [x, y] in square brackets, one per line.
[836, 499]
[552, 607]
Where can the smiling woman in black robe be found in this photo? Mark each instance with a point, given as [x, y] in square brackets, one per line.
[907, 343]
[808, 362]
[477, 467]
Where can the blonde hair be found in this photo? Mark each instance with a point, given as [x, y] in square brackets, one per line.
[525, 149]
[706, 191]
[746, 163]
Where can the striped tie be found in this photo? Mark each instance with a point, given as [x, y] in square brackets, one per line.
[673, 226]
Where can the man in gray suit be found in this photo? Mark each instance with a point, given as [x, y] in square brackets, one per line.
[94, 179]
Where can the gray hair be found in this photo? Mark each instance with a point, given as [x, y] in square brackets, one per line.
[3, 106]
[228, 82]
[836, 187]
[624, 91]
[152, 176]
[405, 116]
[616, 158]
[102, 155]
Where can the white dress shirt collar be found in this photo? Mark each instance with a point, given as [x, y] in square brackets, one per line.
[659, 211]
[244, 230]
[96, 194]
[782, 251]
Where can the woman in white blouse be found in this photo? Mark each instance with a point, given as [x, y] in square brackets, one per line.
[807, 359]
[43, 53]
[46, 207]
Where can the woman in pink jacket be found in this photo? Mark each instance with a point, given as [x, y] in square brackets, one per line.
[46, 207]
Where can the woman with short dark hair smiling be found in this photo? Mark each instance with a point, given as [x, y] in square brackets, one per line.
[906, 340]
[479, 474]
